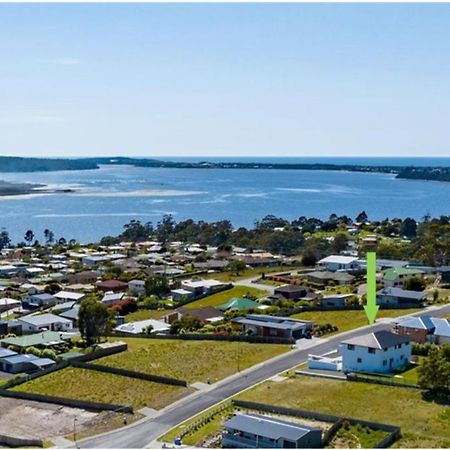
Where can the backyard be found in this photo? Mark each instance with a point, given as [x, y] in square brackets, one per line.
[191, 360]
[83, 384]
[424, 423]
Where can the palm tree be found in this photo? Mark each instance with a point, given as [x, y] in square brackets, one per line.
[49, 236]
[29, 236]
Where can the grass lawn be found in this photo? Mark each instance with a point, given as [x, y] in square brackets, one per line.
[144, 314]
[357, 436]
[409, 376]
[249, 273]
[338, 290]
[191, 360]
[424, 424]
[222, 297]
[348, 320]
[96, 386]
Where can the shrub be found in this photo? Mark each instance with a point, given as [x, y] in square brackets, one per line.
[33, 351]
[48, 353]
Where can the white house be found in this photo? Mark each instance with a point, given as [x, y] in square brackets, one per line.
[158, 326]
[379, 352]
[201, 287]
[136, 287]
[51, 322]
[66, 296]
[334, 263]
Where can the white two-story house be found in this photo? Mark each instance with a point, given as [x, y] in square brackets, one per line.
[379, 352]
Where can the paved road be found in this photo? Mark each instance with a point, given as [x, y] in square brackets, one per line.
[142, 433]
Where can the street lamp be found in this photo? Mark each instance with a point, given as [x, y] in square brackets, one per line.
[75, 432]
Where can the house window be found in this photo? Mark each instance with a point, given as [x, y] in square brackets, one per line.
[359, 360]
[384, 362]
[350, 347]
[371, 350]
[406, 343]
[399, 345]
[402, 357]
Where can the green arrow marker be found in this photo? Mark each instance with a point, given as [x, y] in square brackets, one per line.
[371, 308]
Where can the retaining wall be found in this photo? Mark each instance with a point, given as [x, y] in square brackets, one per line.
[70, 402]
[15, 442]
[129, 373]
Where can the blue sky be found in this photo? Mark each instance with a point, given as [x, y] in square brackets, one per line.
[225, 79]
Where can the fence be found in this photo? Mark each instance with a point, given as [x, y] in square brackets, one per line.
[70, 402]
[15, 442]
[365, 379]
[101, 352]
[211, 337]
[129, 373]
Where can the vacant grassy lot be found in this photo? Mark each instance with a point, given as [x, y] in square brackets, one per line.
[424, 424]
[191, 360]
[145, 314]
[86, 384]
[224, 296]
[250, 273]
[348, 320]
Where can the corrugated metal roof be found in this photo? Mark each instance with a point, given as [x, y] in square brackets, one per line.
[268, 427]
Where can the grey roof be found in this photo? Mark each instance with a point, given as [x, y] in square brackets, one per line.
[6, 352]
[379, 339]
[18, 358]
[71, 314]
[40, 362]
[402, 293]
[420, 323]
[280, 323]
[268, 427]
[290, 288]
[43, 319]
[442, 327]
[44, 296]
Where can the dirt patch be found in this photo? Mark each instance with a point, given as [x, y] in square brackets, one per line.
[36, 420]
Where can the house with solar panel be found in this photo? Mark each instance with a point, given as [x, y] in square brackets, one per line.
[258, 431]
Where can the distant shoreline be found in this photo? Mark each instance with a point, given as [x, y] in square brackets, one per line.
[16, 164]
[17, 189]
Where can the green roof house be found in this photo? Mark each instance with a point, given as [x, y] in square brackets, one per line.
[396, 276]
[239, 304]
[42, 339]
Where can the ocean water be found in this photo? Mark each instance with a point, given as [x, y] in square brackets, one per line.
[108, 198]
